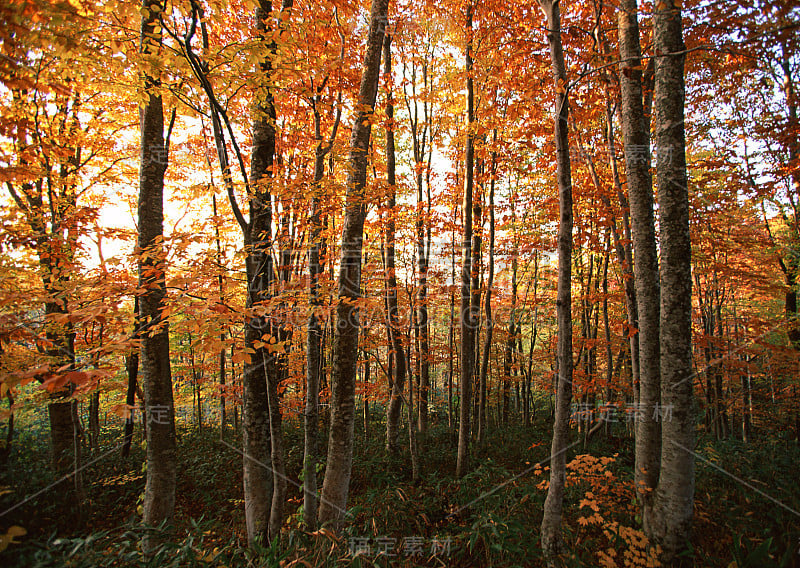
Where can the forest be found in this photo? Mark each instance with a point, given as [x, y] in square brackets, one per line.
[426, 284]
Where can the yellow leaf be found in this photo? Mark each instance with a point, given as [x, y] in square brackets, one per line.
[17, 530]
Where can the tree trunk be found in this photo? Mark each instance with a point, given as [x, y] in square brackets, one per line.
[6, 451]
[422, 304]
[451, 347]
[622, 245]
[364, 397]
[132, 368]
[274, 373]
[747, 397]
[159, 494]
[511, 341]
[221, 288]
[94, 420]
[340, 441]
[314, 339]
[412, 436]
[790, 265]
[256, 442]
[670, 523]
[62, 433]
[625, 255]
[552, 540]
[487, 345]
[640, 190]
[609, 353]
[467, 318]
[262, 436]
[395, 406]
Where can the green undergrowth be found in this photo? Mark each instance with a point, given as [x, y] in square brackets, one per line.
[745, 498]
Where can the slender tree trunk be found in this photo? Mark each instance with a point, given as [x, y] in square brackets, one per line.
[467, 318]
[258, 368]
[223, 418]
[622, 245]
[640, 190]
[487, 345]
[609, 353]
[275, 363]
[317, 247]
[364, 397]
[256, 443]
[132, 368]
[313, 345]
[412, 436]
[451, 357]
[670, 523]
[747, 399]
[274, 374]
[414, 332]
[159, 494]
[511, 341]
[422, 312]
[625, 255]
[394, 409]
[94, 420]
[552, 540]
[534, 333]
[747, 406]
[722, 405]
[263, 468]
[419, 134]
[9, 427]
[476, 287]
[221, 289]
[340, 442]
[790, 265]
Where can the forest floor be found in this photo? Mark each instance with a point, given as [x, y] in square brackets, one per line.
[746, 505]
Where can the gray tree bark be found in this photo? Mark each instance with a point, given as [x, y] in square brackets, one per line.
[256, 439]
[316, 244]
[345, 349]
[487, 304]
[419, 143]
[636, 134]
[257, 446]
[394, 409]
[670, 521]
[468, 315]
[511, 341]
[159, 494]
[623, 247]
[552, 540]
[264, 487]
